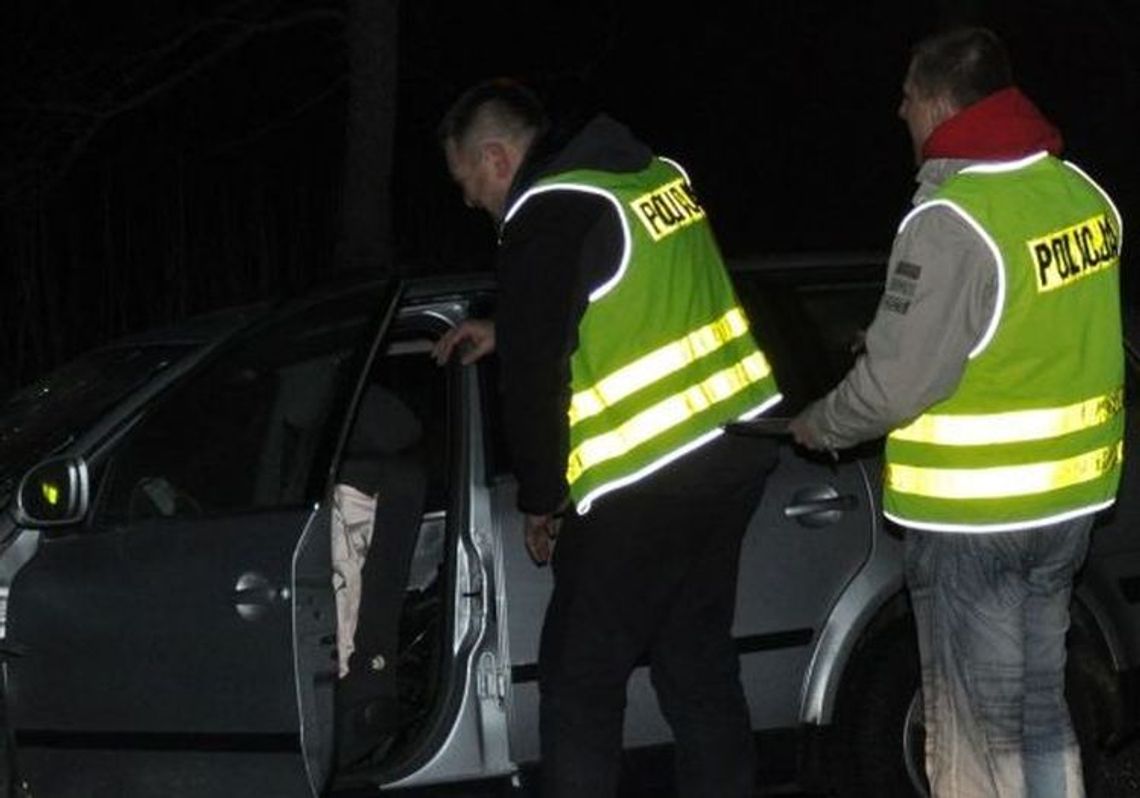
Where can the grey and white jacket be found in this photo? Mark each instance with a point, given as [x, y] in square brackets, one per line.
[937, 303]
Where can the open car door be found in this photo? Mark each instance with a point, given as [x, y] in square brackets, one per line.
[179, 640]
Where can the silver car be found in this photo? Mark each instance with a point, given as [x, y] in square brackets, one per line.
[169, 618]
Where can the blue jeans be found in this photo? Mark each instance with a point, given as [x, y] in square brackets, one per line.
[992, 611]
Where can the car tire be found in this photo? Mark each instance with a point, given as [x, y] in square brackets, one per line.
[878, 720]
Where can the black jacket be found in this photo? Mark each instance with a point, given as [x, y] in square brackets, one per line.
[552, 254]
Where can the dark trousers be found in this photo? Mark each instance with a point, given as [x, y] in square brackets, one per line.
[650, 574]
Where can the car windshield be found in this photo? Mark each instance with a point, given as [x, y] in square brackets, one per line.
[44, 416]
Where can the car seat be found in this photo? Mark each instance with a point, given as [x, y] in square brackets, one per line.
[383, 458]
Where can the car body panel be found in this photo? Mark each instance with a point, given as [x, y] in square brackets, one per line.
[143, 674]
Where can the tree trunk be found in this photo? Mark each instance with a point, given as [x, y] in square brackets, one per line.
[366, 212]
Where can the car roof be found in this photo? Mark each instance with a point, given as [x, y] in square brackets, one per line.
[194, 330]
[429, 287]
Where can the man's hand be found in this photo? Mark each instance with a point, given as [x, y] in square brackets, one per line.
[478, 334]
[541, 535]
[803, 434]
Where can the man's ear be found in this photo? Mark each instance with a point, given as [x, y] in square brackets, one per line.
[943, 108]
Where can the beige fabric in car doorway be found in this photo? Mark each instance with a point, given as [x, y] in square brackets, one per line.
[353, 512]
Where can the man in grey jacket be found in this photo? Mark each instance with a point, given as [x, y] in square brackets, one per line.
[1004, 436]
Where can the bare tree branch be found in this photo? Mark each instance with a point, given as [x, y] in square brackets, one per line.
[141, 79]
[282, 120]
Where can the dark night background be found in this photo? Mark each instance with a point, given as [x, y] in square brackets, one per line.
[165, 157]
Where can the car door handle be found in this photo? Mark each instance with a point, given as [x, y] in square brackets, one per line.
[815, 506]
[253, 595]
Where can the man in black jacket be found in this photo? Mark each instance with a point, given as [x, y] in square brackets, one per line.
[651, 570]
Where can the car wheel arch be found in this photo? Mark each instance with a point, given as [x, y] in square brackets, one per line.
[1088, 624]
[860, 614]
[1093, 686]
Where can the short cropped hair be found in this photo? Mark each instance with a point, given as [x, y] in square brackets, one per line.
[964, 65]
[501, 107]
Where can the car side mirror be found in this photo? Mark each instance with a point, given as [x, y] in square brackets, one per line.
[53, 493]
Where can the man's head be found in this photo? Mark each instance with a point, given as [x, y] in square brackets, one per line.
[949, 71]
[486, 135]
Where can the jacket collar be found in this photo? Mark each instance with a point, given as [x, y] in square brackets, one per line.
[1004, 126]
[936, 171]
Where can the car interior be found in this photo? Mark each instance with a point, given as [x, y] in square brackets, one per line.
[243, 436]
[397, 450]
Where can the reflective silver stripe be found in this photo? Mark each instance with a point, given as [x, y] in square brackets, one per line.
[666, 414]
[658, 364]
[1012, 427]
[1000, 482]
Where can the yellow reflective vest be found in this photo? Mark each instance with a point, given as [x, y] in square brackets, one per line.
[665, 356]
[1033, 433]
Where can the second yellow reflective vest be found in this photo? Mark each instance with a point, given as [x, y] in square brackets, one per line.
[665, 356]
[1033, 434]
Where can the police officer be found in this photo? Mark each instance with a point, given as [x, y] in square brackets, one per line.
[623, 353]
[995, 365]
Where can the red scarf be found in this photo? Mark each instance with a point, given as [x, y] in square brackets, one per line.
[1001, 127]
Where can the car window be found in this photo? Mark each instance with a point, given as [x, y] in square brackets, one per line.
[43, 416]
[244, 432]
[810, 324]
[402, 416]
